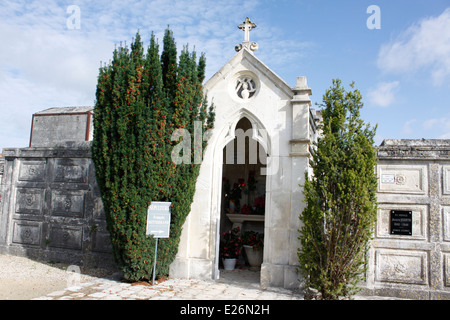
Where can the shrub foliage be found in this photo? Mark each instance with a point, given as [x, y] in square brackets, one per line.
[340, 197]
[141, 98]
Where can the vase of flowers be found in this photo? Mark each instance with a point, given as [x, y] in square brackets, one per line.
[253, 243]
[231, 246]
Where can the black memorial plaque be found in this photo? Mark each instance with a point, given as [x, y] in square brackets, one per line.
[401, 222]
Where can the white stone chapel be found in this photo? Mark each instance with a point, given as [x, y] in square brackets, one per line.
[263, 131]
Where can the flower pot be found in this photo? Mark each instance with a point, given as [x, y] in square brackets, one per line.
[229, 264]
[254, 257]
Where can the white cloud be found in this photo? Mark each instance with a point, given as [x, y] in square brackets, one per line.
[439, 126]
[384, 94]
[43, 64]
[424, 46]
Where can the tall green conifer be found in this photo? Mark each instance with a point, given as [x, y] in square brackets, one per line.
[140, 100]
[340, 197]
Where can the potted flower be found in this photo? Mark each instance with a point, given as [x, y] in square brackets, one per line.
[253, 243]
[231, 247]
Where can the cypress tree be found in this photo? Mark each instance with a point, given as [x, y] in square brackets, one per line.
[169, 64]
[140, 100]
[340, 197]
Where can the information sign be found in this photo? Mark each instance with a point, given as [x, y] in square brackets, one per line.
[158, 219]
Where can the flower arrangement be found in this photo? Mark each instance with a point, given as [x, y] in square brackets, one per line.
[245, 209]
[233, 195]
[231, 244]
[254, 239]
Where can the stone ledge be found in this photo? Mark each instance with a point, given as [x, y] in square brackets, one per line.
[407, 149]
[67, 150]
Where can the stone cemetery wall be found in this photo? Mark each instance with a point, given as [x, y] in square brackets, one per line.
[51, 207]
[410, 255]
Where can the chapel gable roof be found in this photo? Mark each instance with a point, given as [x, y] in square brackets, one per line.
[246, 57]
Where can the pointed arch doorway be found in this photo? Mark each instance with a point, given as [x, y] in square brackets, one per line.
[242, 201]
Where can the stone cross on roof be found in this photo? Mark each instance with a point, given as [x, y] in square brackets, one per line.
[247, 26]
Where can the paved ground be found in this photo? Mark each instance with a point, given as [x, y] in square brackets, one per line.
[25, 279]
[233, 285]
[239, 284]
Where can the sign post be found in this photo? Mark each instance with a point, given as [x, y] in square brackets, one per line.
[158, 225]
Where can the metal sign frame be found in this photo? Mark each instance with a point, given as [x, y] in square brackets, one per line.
[158, 219]
[158, 225]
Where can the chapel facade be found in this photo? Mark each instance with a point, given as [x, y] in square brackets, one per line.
[263, 132]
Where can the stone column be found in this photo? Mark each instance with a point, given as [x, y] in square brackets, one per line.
[283, 270]
[302, 135]
[6, 166]
[301, 118]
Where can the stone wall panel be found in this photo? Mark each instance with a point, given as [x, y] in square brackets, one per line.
[70, 170]
[446, 180]
[401, 266]
[446, 259]
[446, 223]
[29, 201]
[32, 171]
[26, 232]
[419, 224]
[412, 179]
[69, 237]
[67, 203]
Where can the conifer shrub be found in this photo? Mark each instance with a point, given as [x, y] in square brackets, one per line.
[340, 196]
[141, 98]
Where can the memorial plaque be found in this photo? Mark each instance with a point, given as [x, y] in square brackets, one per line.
[388, 178]
[401, 222]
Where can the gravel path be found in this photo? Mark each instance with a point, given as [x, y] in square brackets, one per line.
[23, 279]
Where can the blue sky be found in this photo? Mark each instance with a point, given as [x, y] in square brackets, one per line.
[401, 69]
